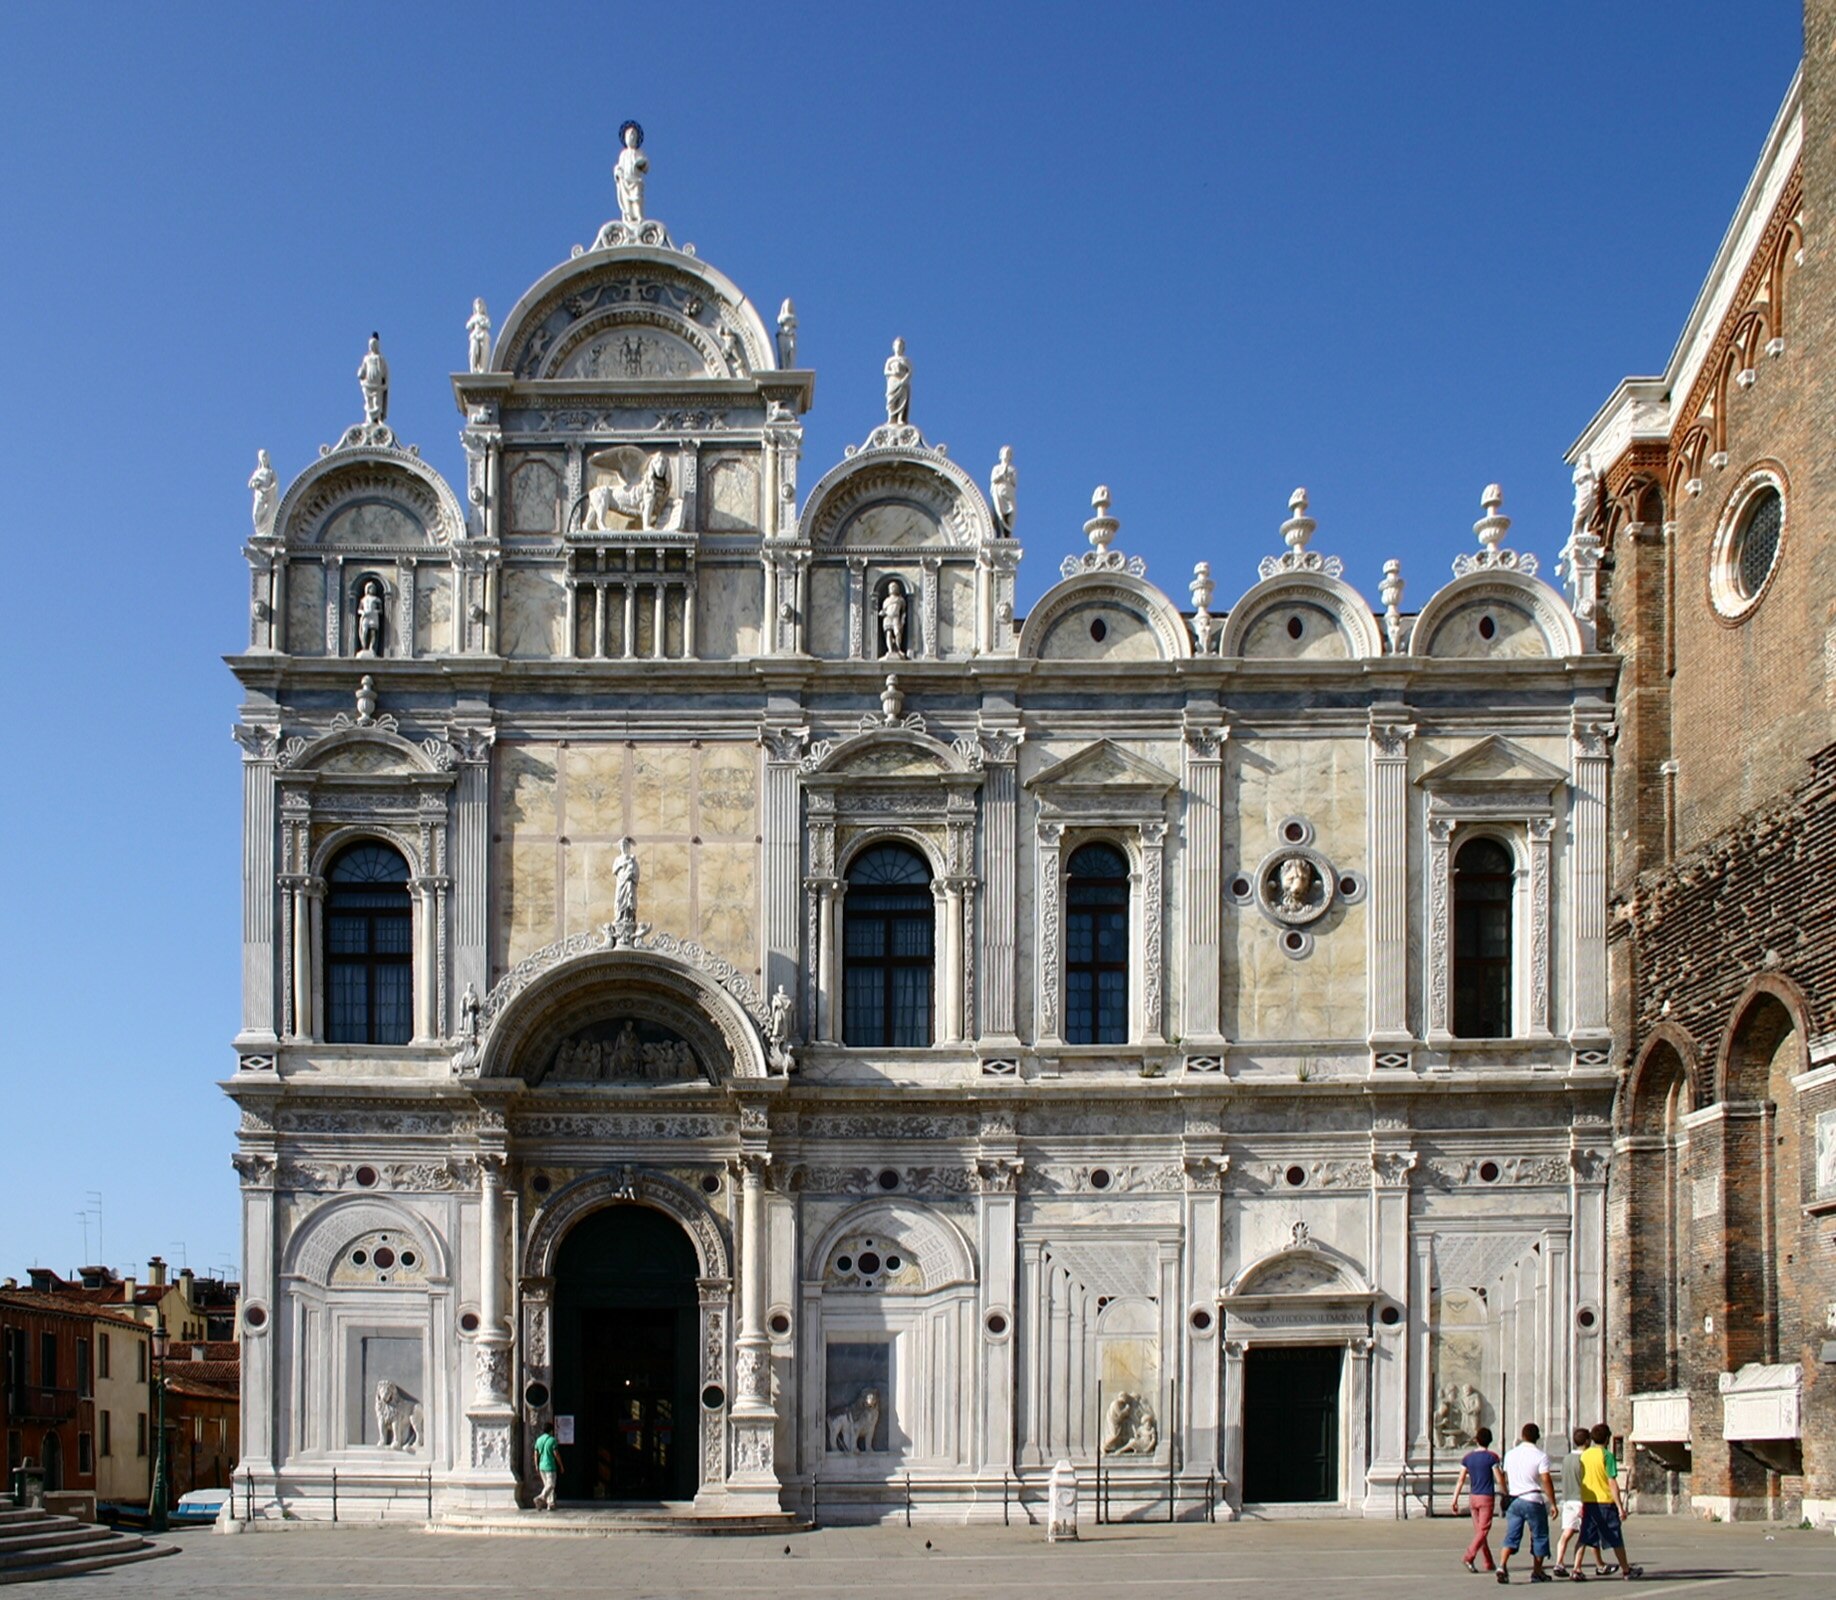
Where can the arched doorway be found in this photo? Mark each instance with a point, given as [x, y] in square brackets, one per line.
[625, 1356]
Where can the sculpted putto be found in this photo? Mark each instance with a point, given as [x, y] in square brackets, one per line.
[373, 379]
[1130, 1426]
[266, 488]
[629, 173]
[898, 385]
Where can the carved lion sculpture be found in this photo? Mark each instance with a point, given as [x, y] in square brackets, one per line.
[851, 1427]
[398, 1418]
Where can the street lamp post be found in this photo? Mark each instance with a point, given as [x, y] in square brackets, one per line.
[156, 1507]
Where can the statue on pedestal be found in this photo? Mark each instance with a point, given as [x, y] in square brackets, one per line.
[625, 891]
[373, 379]
[478, 336]
[1002, 483]
[898, 386]
[629, 173]
[266, 489]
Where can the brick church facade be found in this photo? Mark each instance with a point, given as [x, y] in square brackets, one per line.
[1712, 491]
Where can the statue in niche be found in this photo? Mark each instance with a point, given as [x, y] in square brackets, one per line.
[398, 1417]
[1470, 1408]
[478, 336]
[892, 622]
[1002, 482]
[1130, 1426]
[470, 1010]
[1296, 876]
[628, 173]
[373, 379]
[898, 385]
[851, 1428]
[370, 619]
[625, 890]
[1447, 1430]
[265, 486]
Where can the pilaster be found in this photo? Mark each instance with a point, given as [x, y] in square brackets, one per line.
[1590, 753]
[1387, 852]
[1201, 858]
[781, 827]
[260, 745]
[1000, 877]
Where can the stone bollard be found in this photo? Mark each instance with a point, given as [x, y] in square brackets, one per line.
[1062, 1517]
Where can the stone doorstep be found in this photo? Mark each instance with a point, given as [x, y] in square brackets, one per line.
[582, 1523]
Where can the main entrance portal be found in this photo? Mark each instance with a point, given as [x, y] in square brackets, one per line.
[625, 1315]
[1291, 1423]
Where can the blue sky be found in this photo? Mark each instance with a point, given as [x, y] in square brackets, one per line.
[1201, 253]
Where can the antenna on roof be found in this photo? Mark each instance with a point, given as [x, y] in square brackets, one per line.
[83, 1217]
[95, 1199]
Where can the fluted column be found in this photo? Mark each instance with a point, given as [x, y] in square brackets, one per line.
[782, 851]
[950, 896]
[1201, 852]
[754, 1419]
[259, 748]
[1587, 911]
[1000, 871]
[426, 957]
[1387, 855]
[471, 826]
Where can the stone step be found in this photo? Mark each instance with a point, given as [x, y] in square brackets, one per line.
[601, 1524]
[121, 1551]
[64, 1530]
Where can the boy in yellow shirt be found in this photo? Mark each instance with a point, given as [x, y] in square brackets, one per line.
[1601, 1507]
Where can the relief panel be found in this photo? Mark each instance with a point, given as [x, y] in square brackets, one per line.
[534, 613]
[305, 608]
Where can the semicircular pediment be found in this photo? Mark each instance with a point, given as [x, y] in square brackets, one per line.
[896, 500]
[1303, 1270]
[1301, 616]
[634, 315]
[1105, 616]
[367, 500]
[562, 1015]
[1495, 612]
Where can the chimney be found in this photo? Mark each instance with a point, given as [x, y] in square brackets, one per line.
[156, 1271]
[128, 1286]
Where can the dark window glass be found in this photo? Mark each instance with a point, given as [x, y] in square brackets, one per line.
[888, 928]
[1483, 879]
[1757, 546]
[47, 1360]
[369, 940]
[1096, 946]
[86, 1457]
[84, 1386]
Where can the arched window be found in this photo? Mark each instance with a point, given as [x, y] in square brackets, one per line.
[888, 934]
[1096, 946]
[1484, 876]
[369, 945]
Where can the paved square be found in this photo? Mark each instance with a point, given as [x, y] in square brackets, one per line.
[1416, 1560]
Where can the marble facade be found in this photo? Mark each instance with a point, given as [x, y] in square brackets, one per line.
[930, 1269]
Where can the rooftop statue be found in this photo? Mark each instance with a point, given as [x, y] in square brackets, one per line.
[629, 172]
[266, 488]
[478, 331]
[373, 379]
[898, 386]
[787, 335]
[1002, 482]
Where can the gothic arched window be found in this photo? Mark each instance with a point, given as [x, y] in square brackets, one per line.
[1484, 879]
[1096, 946]
[369, 945]
[888, 937]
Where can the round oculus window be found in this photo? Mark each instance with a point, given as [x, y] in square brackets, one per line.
[1746, 549]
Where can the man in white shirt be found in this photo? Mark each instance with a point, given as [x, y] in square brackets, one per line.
[1526, 1473]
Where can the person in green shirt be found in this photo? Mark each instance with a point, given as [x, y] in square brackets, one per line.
[548, 1463]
